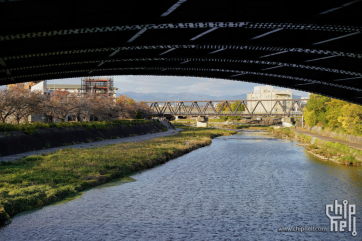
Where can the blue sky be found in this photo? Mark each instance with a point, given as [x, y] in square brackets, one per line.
[168, 84]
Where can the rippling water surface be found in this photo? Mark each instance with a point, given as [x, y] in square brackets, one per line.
[234, 189]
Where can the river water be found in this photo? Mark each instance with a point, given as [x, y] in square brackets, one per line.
[234, 189]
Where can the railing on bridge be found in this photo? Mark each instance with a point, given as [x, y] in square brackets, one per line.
[274, 107]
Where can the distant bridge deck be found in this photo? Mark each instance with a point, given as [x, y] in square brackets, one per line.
[269, 108]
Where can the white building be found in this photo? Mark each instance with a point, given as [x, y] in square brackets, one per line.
[46, 88]
[41, 86]
[74, 89]
[268, 93]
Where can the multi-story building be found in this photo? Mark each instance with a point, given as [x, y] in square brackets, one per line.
[46, 88]
[75, 89]
[268, 93]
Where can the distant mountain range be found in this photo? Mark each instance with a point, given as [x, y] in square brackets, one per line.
[182, 96]
[179, 96]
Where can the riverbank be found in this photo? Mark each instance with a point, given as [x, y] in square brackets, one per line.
[65, 134]
[37, 181]
[325, 148]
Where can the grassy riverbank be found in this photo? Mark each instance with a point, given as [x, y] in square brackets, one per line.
[37, 181]
[29, 128]
[326, 150]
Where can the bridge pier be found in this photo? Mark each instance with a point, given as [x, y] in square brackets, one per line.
[288, 121]
[202, 121]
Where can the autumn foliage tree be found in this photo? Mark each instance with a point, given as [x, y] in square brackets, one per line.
[333, 114]
[233, 106]
[19, 103]
[6, 105]
[25, 103]
[131, 109]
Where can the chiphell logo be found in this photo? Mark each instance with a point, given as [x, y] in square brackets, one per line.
[340, 216]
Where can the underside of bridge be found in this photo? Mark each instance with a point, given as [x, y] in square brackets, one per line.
[312, 46]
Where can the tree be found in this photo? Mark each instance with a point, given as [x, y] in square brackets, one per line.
[351, 118]
[315, 111]
[125, 100]
[143, 109]
[59, 104]
[235, 105]
[334, 111]
[6, 104]
[82, 107]
[62, 103]
[127, 106]
[107, 108]
[222, 107]
[18, 103]
[25, 103]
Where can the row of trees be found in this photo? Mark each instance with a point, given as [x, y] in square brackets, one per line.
[233, 107]
[334, 114]
[17, 104]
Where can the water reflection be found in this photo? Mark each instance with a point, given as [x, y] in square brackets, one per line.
[236, 189]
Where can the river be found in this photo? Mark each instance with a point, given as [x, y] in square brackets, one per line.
[234, 189]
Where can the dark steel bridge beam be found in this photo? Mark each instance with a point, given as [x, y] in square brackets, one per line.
[176, 61]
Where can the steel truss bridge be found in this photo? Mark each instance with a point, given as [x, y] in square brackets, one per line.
[312, 46]
[178, 108]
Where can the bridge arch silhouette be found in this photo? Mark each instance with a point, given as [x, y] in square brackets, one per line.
[312, 46]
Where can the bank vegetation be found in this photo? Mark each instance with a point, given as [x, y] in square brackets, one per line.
[326, 150]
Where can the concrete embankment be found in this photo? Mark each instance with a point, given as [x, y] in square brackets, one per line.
[15, 142]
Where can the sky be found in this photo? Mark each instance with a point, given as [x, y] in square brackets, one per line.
[168, 84]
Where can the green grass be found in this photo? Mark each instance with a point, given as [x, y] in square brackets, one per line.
[36, 181]
[284, 131]
[31, 127]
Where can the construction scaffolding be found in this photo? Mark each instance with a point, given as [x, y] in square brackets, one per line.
[97, 86]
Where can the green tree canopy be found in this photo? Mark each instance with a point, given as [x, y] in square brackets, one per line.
[315, 111]
[233, 106]
[335, 114]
